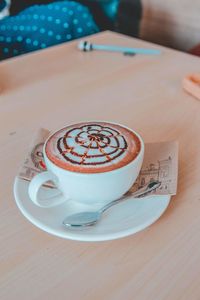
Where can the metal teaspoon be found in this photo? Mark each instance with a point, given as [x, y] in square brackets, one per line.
[89, 218]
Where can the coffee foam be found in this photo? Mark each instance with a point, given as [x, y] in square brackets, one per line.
[92, 147]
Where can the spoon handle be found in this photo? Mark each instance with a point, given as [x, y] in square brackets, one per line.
[141, 192]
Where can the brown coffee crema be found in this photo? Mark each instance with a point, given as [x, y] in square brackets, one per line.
[92, 147]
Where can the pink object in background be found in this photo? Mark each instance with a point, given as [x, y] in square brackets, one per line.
[191, 84]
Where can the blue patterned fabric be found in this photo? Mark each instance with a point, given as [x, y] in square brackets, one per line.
[41, 26]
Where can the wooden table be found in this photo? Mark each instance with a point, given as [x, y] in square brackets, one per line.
[61, 85]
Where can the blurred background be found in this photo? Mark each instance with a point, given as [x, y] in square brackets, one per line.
[31, 25]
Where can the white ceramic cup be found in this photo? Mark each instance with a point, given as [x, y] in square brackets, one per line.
[87, 188]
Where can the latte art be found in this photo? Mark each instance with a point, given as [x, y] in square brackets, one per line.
[92, 147]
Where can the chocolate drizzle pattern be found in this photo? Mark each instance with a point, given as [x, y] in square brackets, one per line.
[91, 144]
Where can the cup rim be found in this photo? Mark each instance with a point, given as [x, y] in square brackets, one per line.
[97, 173]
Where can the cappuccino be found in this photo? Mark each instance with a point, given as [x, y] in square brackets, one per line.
[92, 147]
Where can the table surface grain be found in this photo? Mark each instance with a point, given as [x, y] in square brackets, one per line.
[61, 85]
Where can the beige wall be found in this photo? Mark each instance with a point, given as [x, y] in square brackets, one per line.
[173, 23]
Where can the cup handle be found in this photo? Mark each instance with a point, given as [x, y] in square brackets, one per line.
[35, 185]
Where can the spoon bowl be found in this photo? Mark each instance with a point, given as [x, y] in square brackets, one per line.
[82, 219]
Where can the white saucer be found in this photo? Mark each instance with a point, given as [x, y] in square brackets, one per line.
[121, 220]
